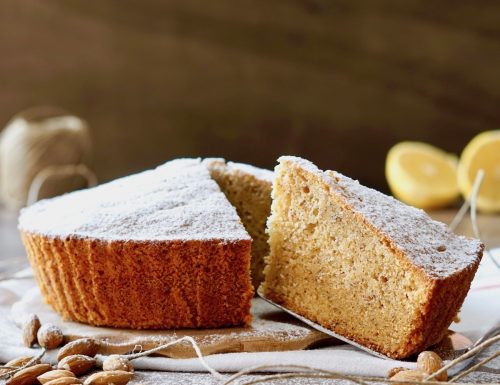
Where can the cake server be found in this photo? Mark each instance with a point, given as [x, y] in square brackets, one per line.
[323, 329]
[451, 347]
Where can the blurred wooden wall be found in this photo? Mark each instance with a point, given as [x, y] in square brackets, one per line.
[335, 81]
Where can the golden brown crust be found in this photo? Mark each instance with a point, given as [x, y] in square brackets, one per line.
[175, 284]
[444, 303]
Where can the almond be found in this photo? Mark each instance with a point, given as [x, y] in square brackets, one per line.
[17, 363]
[28, 376]
[116, 362]
[429, 362]
[78, 364]
[115, 377]
[54, 374]
[30, 329]
[392, 372]
[64, 381]
[408, 375]
[50, 336]
[85, 346]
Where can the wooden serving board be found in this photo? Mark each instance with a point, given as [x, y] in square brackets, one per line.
[271, 330]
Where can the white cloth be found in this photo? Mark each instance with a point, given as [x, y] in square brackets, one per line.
[480, 311]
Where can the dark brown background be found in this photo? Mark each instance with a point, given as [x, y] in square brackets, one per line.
[337, 82]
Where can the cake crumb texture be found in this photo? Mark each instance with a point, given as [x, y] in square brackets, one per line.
[248, 188]
[361, 263]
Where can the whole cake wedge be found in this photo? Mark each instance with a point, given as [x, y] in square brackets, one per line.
[361, 263]
[160, 249]
[248, 188]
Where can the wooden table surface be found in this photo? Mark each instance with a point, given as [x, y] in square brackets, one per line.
[253, 79]
[11, 250]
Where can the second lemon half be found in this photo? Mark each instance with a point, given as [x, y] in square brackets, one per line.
[482, 153]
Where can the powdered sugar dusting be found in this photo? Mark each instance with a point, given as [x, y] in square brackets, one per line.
[175, 201]
[428, 244]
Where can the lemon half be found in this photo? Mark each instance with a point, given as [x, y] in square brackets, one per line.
[422, 175]
[482, 152]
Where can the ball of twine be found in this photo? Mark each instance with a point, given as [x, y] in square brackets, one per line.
[44, 152]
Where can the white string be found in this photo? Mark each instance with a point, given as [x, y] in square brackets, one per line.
[195, 346]
[473, 214]
[34, 360]
[66, 170]
[265, 368]
[472, 204]
[459, 217]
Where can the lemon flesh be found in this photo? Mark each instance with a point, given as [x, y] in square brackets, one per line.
[482, 152]
[422, 175]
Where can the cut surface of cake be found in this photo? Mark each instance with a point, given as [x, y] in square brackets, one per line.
[248, 188]
[160, 249]
[361, 263]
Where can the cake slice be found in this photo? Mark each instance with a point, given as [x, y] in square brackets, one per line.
[363, 264]
[159, 249]
[248, 188]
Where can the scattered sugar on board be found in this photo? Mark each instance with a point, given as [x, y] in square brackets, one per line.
[269, 324]
[180, 378]
[176, 201]
[261, 329]
[428, 244]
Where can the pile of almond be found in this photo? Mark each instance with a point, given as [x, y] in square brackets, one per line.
[75, 359]
[427, 363]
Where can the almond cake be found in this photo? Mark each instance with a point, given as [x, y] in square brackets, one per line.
[160, 249]
[361, 263]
